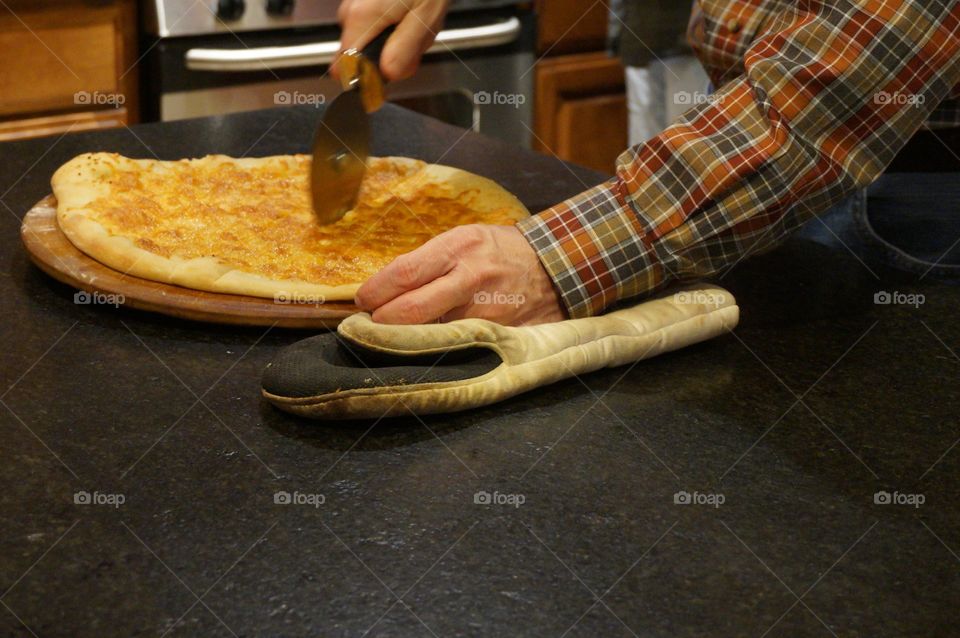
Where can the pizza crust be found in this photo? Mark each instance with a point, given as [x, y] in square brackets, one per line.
[82, 181]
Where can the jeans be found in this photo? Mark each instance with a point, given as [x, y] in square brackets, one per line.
[661, 92]
[905, 221]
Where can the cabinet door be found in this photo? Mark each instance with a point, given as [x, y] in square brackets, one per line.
[570, 26]
[581, 110]
[67, 57]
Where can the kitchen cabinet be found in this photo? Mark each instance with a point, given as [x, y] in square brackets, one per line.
[580, 107]
[68, 65]
[580, 111]
[563, 26]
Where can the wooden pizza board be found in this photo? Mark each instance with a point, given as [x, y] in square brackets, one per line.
[53, 253]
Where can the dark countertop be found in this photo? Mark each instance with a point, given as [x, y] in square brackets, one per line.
[819, 400]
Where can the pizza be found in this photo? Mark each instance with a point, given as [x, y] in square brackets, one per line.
[246, 226]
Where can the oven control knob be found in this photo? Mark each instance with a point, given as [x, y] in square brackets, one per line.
[230, 9]
[279, 7]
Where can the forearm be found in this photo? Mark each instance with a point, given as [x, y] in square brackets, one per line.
[805, 125]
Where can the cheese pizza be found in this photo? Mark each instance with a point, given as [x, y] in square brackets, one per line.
[245, 226]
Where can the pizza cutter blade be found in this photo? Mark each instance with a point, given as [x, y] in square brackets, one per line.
[341, 144]
[340, 150]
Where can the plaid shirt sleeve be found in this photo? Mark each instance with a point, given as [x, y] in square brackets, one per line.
[829, 92]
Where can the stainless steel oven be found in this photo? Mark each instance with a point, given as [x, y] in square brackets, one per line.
[206, 58]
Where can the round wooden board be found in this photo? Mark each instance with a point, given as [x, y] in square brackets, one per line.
[53, 253]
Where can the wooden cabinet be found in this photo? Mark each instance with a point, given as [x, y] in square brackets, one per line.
[580, 107]
[67, 65]
[580, 111]
[571, 26]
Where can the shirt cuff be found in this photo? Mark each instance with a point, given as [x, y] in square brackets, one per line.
[595, 249]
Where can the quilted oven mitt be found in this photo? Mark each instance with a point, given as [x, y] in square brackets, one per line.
[371, 370]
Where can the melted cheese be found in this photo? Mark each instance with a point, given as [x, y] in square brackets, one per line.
[259, 220]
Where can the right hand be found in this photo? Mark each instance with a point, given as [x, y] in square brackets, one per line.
[418, 22]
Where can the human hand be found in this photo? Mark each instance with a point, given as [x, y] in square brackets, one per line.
[485, 271]
[418, 22]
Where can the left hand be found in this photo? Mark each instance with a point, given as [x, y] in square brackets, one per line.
[485, 271]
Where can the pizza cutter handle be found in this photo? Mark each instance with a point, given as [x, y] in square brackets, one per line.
[374, 49]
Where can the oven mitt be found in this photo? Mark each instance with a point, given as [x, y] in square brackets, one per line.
[372, 370]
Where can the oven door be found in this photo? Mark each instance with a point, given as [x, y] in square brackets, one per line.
[479, 74]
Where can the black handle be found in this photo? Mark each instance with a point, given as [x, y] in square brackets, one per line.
[374, 49]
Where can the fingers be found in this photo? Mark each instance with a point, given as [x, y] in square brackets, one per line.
[362, 20]
[465, 311]
[406, 272]
[472, 271]
[417, 26]
[411, 39]
[427, 303]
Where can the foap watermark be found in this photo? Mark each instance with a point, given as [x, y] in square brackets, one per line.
[496, 498]
[284, 297]
[700, 298]
[898, 98]
[710, 499]
[899, 498]
[298, 98]
[497, 298]
[96, 298]
[298, 498]
[896, 298]
[98, 498]
[485, 98]
[96, 98]
[696, 98]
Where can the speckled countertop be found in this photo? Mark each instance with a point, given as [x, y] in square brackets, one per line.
[784, 431]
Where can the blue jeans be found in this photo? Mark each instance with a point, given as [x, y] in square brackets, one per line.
[907, 221]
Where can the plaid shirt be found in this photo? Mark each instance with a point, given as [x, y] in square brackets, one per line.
[815, 100]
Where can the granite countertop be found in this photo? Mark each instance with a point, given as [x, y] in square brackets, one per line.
[783, 432]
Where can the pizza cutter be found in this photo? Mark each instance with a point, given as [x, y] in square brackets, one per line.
[342, 141]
